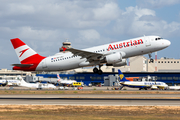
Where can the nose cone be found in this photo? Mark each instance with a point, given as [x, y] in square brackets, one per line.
[166, 43]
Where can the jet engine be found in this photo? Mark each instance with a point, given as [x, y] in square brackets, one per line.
[114, 58]
[122, 63]
[118, 64]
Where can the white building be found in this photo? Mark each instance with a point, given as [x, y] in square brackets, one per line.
[141, 63]
[4, 73]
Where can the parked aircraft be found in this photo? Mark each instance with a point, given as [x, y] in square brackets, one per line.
[65, 82]
[141, 84]
[112, 54]
[174, 87]
[35, 85]
[3, 82]
[8, 82]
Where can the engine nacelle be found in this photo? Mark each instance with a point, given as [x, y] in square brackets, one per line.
[114, 58]
[122, 63]
[118, 64]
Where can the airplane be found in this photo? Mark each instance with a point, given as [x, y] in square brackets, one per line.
[22, 83]
[65, 82]
[141, 84]
[8, 82]
[112, 54]
[174, 87]
[3, 82]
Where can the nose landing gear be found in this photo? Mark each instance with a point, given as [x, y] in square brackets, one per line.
[151, 60]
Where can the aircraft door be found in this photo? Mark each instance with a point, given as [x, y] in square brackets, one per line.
[148, 41]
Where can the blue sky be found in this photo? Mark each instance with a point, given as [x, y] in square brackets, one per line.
[45, 24]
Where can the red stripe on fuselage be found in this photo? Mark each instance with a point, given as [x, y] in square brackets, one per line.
[16, 42]
[34, 59]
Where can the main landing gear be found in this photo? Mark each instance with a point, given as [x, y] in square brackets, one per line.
[95, 70]
[151, 60]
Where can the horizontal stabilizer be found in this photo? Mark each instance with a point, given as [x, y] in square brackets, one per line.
[22, 65]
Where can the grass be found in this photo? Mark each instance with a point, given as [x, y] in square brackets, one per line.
[51, 112]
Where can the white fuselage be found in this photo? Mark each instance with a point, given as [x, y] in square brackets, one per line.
[174, 87]
[144, 84]
[66, 81]
[9, 82]
[22, 83]
[128, 48]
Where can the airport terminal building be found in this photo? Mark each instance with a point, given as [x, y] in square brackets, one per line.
[165, 69]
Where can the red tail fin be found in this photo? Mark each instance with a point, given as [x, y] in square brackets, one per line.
[26, 55]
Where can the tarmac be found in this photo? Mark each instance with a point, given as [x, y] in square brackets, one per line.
[97, 100]
[91, 99]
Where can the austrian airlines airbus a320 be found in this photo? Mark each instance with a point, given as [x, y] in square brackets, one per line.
[113, 54]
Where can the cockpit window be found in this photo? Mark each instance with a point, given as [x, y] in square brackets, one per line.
[158, 38]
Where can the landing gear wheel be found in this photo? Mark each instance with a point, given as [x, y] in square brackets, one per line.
[151, 61]
[95, 70]
[100, 72]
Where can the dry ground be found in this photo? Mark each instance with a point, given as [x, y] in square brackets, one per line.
[52, 112]
[3, 92]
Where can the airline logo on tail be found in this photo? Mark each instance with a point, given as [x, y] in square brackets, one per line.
[23, 51]
[121, 76]
[59, 79]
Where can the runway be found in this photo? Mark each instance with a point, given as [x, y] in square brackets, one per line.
[108, 100]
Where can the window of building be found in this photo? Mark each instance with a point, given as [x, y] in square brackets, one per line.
[161, 61]
[174, 61]
[72, 78]
[158, 61]
[163, 78]
[169, 78]
[175, 78]
[82, 78]
[177, 61]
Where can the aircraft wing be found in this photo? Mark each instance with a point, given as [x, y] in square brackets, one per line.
[90, 56]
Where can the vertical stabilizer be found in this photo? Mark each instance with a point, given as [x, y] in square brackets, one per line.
[121, 76]
[26, 55]
[59, 79]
